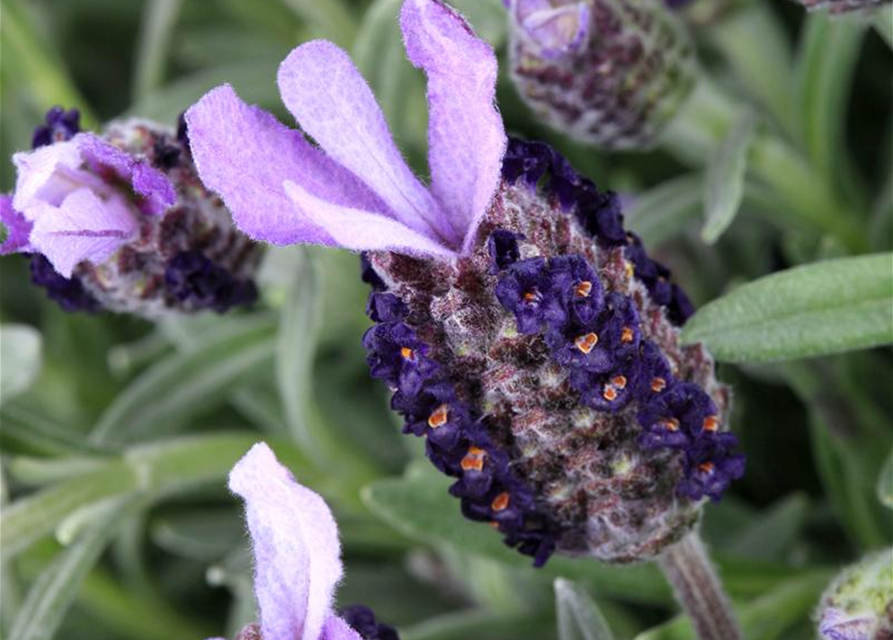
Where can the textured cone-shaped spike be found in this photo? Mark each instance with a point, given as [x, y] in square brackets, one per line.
[546, 372]
[859, 603]
[610, 72]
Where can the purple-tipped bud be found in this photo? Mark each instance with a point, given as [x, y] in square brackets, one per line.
[842, 6]
[121, 222]
[610, 72]
[362, 620]
[859, 603]
[545, 372]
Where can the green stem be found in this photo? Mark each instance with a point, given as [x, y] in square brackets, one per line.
[698, 589]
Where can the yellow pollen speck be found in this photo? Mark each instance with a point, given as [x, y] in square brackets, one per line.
[407, 353]
[586, 343]
[500, 502]
[439, 417]
[629, 268]
[627, 335]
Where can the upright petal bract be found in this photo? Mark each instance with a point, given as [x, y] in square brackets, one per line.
[362, 230]
[82, 227]
[466, 137]
[296, 550]
[333, 104]
[45, 175]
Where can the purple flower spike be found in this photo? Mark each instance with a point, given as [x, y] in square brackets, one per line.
[356, 191]
[123, 223]
[297, 555]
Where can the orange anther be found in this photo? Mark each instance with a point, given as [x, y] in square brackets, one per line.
[407, 353]
[474, 460]
[658, 384]
[610, 394]
[439, 417]
[711, 423]
[626, 335]
[583, 289]
[530, 296]
[586, 343]
[671, 424]
[500, 502]
[706, 467]
[619, 382]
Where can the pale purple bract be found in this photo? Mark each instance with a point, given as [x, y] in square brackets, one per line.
[355, 190]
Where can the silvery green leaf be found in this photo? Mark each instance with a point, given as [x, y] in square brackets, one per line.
[20, 359]
[578, 616]
[816, 309]
[885, 483]
[724, 182]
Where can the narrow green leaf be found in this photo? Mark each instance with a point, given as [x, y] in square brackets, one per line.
[885, 483]
[56, 588]
[817, 309]
[31, 56]
[20, 359]
[825, 68]
[772, 534]
[666, 210]
[764, 70]
[183, 384]
[480, 625]
[578, 616]
[883, 24]
[29, 519]
[156, 29]
[767, 618]
[724, 182]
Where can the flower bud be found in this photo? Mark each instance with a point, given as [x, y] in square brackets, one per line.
[121, 222]
[859, 603]
[609, 72]
[546, 374]
[842, 6]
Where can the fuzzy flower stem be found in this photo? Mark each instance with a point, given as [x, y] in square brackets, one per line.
[698, 589]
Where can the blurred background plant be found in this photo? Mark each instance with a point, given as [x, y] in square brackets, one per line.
[117, 434]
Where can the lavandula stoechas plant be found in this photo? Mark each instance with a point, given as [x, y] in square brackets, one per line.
[608, 72]
[297, 558]
[122, 222]
[858, 605]
[525, 334]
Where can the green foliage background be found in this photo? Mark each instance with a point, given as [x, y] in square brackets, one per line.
[117, 435]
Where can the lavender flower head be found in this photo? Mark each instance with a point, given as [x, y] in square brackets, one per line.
[524, 333]
[297, 558]
[609, 72]
[121, 222]
[859, 603]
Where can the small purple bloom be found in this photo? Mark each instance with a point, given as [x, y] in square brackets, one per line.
[297, 555]
[385, 307]
[678, 417]
[503, 248]
[576, 287]
[525, 289]
[710, 467]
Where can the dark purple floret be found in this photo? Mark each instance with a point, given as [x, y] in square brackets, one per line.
[434, 412]
[385, 307]
[577, 288]
[191, 276]
[503, 248]
[70, 294]
[362, 620]
[59, 125]
[601, 215]
[527, 160]
[678, 417]
[525, 289]
[165, 156]
[397, 357]
[681, 308]
[710, 468]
